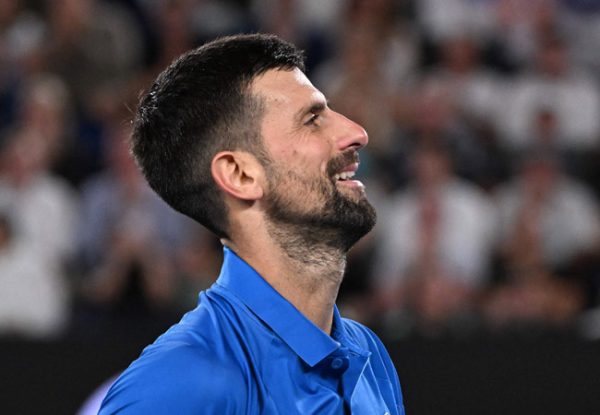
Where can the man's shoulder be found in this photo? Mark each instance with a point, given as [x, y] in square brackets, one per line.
[179, 378]
[188, 367]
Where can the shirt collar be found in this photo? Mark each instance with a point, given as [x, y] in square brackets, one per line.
[307, 340]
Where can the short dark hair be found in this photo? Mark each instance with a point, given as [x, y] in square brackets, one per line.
[201, 105]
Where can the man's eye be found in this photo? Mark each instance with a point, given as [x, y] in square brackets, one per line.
[314, 118]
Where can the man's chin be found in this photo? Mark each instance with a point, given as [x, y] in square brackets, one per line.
[352, 190]
[355, 220]
[339, 225]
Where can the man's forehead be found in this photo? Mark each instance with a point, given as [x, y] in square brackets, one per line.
[281, 86]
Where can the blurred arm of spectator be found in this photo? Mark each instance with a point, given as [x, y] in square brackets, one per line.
[548, 221]
[109, 279]
[535, 297]
[544, 207]
[198, 263]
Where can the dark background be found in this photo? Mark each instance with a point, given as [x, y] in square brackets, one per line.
[512, 373]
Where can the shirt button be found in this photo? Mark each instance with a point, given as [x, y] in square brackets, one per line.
[337, 363]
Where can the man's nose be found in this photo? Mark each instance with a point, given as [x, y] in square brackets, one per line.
[349, 134]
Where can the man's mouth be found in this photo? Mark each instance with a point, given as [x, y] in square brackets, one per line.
[343, 176]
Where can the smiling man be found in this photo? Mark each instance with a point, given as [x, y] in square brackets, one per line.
[234, 135]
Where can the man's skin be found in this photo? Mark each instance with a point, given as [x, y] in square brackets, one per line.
[302, 135]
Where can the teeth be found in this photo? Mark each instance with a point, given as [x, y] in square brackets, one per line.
[344, 175]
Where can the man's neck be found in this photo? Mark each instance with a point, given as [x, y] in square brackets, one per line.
[309, 277]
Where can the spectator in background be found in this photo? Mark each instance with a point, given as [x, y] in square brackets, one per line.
[547, 134]
[128, 237]
[458, 99]
[21, 36]
[45, 110]
[38, 237]
[472, 88]
[434, 116]
[436, 243]
[571, 93]
[519, 26]
[548, 221]
[94, 45]
[32, 299]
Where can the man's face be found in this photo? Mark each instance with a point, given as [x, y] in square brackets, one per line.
[313, 156]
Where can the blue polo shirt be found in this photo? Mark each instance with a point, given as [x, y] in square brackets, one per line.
[246, 350]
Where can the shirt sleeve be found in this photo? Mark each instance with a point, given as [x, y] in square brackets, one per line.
[180, 381]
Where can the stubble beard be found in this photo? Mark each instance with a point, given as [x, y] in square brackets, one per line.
[305, 214]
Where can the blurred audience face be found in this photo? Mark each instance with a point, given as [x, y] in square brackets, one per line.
[23, 157]
[45, 106]
[433, 110]
[553, 60]
[460, 54]
[540, 175]
[546, 127]
[431, 165]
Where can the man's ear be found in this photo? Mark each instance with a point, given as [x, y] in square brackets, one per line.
[238, 174]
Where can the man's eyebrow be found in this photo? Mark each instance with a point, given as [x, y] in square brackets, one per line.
[314, 107]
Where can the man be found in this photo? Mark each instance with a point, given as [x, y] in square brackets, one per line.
[234, 135]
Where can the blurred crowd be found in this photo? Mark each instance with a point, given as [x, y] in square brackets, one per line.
[483, 163]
